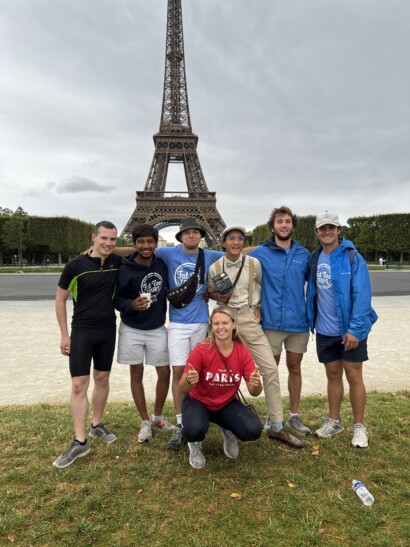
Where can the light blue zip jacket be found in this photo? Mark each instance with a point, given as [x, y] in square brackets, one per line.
[283, 304]
[352, 291]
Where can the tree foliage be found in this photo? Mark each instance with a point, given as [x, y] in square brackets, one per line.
[378, 235]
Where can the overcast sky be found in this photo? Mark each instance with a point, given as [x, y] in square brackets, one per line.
[297, 102]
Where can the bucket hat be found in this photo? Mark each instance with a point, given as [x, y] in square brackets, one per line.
[190, 223]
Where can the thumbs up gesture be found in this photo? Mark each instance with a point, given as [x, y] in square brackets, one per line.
[192, 376]
[255, 377]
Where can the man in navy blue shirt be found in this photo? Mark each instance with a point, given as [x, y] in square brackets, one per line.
[141, 299]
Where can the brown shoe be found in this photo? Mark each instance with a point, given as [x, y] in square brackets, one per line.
[286, 438]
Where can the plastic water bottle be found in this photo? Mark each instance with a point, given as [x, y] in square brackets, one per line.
[362, 492]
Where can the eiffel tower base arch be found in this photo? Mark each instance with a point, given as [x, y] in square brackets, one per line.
[165, 209]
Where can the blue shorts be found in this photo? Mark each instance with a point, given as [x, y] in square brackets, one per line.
[330, 348]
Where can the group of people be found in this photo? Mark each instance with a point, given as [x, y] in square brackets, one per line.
[268, 298]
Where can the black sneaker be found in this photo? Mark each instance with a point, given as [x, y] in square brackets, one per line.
[176, 442]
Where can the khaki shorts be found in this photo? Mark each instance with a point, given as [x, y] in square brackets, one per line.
[295, 342]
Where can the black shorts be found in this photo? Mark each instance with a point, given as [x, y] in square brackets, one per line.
[330, 348]
[95, 344]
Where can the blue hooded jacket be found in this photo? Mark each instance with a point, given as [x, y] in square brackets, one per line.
[352, 291]
[283, 304]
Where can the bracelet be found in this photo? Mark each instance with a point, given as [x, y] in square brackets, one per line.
[188, 380]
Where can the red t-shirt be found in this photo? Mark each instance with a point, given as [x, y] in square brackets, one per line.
[216, 387]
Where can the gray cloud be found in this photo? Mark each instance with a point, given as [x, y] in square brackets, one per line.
[75, 185]
[301, 103]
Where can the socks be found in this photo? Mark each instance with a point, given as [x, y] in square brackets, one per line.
[79, 442]
[179, 419]
[276, 426]
[291, 414]
[155, 418]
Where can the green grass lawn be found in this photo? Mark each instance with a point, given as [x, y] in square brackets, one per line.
[129, 494]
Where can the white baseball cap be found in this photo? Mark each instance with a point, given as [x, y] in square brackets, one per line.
[327, 218]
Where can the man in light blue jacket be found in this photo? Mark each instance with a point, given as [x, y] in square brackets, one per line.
[339, 310]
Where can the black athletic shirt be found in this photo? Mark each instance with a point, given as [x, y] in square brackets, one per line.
[92, 286]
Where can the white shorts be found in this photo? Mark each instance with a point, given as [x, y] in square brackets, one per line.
[182, 338]
[136, 347]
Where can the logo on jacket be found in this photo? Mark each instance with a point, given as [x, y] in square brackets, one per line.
[152, 283]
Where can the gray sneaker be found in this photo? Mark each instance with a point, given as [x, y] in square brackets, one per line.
[231, 448]
[102, 433]
[176, 442]
[196, 456]
[329, 428]
[295, 423]
[74, 451]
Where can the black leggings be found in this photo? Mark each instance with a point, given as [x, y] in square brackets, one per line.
[234, 416]
[95, 344]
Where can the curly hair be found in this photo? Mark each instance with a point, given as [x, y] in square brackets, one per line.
[283, 210]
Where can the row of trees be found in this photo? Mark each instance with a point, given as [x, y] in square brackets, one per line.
[56, 239]
[386, 236]
[39, 240]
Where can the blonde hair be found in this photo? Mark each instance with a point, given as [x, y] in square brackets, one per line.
[210, 340]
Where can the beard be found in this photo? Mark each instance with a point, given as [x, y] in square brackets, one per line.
[281, 237]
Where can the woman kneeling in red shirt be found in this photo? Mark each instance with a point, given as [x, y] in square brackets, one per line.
[210, 382]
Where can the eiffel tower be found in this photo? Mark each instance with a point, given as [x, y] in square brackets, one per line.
[176, 143]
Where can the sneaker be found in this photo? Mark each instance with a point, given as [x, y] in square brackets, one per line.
[360, 437]
[329, 428]
[102, 433]
[145, 432]
[162, 424]
[267, 425]
[196, 456]
[295, 423]
[231, 448]
[74, 451]
[176, 442]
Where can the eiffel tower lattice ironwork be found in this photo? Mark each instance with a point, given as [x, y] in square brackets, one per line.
[176, 143]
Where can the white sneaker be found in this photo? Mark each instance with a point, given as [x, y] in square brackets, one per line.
[231, 448]
[267, 425]
[360, 436]
[161, 424]
[329, 428]
[145, 432]
[196, 456]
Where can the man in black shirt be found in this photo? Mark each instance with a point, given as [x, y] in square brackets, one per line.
[91, 280]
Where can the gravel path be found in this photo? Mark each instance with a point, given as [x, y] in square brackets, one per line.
[33, 371]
